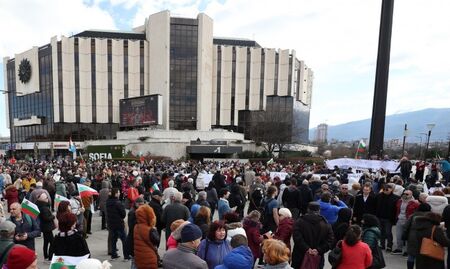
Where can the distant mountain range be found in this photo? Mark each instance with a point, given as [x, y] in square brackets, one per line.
[417, 123]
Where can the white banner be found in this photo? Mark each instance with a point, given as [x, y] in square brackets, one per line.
[281, 175]
[362, 164]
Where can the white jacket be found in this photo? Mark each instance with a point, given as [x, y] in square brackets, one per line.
[437, 203]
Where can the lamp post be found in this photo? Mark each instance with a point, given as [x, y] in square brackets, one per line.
[430, 127]
[405, 134]
[420, 147]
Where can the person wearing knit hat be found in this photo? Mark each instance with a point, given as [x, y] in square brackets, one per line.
[7, 230]
[184, 255]
[21, 257]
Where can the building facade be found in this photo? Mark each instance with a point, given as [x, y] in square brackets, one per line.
[322, 133]
[71, 87]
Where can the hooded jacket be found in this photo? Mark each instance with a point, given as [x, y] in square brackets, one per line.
[145, 253]
[233, 229]
[284, 231]
[311, 231]
[437, 203]
[254, 238]
[239, 258]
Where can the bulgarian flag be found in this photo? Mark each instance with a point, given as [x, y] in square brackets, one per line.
[30, 209]
[86, 191]
[154, 188]
[66, 262]
[361, 148]
[59, 199]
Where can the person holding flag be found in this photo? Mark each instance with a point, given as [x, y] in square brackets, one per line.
[24, 217]
[72, 148]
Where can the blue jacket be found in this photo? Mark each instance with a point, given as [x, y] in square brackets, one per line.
[223, 207]
[239, 258]
[213, 252]
[329, 211]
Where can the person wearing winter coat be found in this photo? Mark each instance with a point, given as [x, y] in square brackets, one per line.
[174, 211]
[215, 246]
[424, 226]
[371, 236]
[146, 239]
[306, 196]
[240, 256]
[291, 198]
[342, 223]
[409, 234]
[203, 219]
[365, 203]
[47, 224]
[233, 225]
[437, 201]
[27, 228]
[406, 206]
[252, 227]
[131, 221]
[355, 253]
[328, 210]
[385, 211]
[285, 227]
[11, 195]
[276, 254]
[312, 234]
[69, 241]
[102, 197]
[115, 215]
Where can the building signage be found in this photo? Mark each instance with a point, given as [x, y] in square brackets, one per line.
[213, 149]
[109, 152]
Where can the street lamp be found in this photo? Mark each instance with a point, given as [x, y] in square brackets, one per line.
[420, 147]
[405, 134]
[430, 127]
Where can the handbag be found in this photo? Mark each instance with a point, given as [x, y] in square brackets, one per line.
[377, 258]
[431, 248]
[335, 255]
[310, 261]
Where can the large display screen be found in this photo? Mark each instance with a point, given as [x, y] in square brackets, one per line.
[140, 111]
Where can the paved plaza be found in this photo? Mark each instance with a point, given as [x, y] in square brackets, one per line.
[97, 246]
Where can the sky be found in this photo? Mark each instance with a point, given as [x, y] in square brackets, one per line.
[337, 39]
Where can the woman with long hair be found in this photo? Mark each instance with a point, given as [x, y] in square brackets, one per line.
[203, 220]
[215, 246]
[355, 253]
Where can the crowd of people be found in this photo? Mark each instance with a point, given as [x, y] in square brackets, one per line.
[317, 209]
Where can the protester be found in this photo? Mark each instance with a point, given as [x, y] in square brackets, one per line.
[47, 224]
[102, 197]
[406, 206]
[223, 206]
[240, 256]
[328, 210]
[174, 211]
[155, 203]
[27, 228]
[342, 223]
[252, 227]
[233, 225]
[276, 254]
[203, 220]
[175, 234]
[131, 221]
[7, 230]
[355, 253]
[270, 210]
[21, 258]
[115, 215]
[183, 256]
[312, 235]
[365, 203]
[215, 246]
[285, 227]
[146, 239]
[386, 202]
[69, 241]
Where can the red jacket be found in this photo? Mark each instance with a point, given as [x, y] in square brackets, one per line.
[410, 208]
[253, 236]
[358, 256]
[284, 231]
[11, 195]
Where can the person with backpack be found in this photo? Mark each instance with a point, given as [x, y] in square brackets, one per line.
[270, 207]
[26, 227]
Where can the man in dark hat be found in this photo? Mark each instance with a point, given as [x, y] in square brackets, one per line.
[312, 235]
[155, 203]
[184, 255]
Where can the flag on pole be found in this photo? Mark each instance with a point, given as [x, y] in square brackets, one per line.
[59, 199]
[30, 209]
[361, 149]
[270, 161]
[86, 191]
[72, 147]
[154, 188]
[69, 262]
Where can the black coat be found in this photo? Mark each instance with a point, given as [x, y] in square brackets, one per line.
[157, 208]
[387, 207]
[70, 244]
[311, 231]
[46, 218]
[306, 196]
[291, 197]
[423, 229]
[115, 214]
[360, 207]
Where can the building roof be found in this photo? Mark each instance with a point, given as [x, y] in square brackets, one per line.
[244, 42]
[111, 34]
